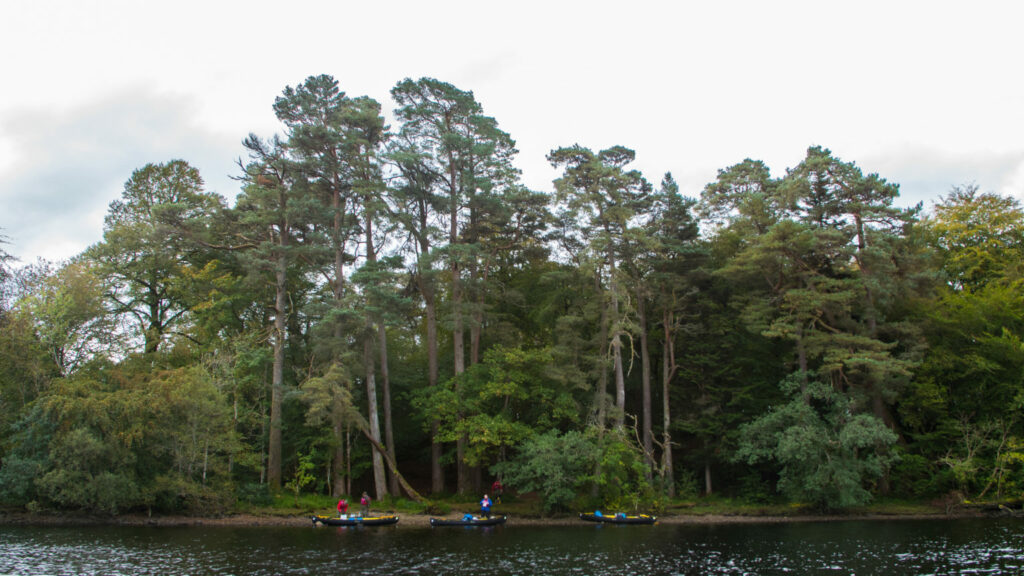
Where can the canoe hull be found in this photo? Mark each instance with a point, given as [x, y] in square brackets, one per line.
[492, 521]
[641, 519]
[356, 521]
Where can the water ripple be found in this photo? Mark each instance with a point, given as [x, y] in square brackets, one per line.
[904, 547]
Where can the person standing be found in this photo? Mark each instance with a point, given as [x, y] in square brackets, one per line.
[496, 489]
[364, 504]
[485, 506]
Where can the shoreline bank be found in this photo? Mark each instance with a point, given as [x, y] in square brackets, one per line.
[423, 520]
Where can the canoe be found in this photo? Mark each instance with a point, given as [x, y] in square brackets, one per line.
[473, 521]
[619, 518]
[356, 520]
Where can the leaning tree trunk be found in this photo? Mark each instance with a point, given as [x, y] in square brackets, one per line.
[380, 450]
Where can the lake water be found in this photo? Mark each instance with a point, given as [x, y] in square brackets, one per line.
[976, 546]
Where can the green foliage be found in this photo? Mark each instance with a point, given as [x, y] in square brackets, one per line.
[500, 402]
[70, 321]
[827, 455]
[90, 474]
[963, 413]
[687, 486]
[143, 261]
[916, 476]
[556, 465]
[917, 324]
[329, 398]
[116, 439]
[979, 237]
[302, 476]
[622, 482]
[27, 458]
[172, 493]
[1009, 472]
[752, 487]
[26, 369]
[559, 466]
[254, 495]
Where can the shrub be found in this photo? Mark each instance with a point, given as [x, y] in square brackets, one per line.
[555, 465]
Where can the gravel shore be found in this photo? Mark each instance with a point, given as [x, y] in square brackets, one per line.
[423, 520]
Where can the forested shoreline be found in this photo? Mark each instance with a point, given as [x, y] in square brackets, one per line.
[389, 309]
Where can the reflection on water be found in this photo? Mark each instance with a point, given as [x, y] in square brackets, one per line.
[856, 547]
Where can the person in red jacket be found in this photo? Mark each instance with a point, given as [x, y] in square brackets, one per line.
[342, 507]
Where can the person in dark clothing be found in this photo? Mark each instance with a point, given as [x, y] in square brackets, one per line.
[364, 504]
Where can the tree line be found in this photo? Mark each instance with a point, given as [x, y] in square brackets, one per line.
[389, 308]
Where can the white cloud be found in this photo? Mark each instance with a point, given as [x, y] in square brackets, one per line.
[926, 93]
[925, 173]
[70, 165]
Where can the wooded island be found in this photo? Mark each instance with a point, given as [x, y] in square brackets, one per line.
[388, 308]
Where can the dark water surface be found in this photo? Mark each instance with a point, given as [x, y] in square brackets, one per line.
[975, 546]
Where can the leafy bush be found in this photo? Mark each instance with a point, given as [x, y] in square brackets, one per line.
[555, 465]
[687, 485]
[915, 476]
[17, 479]
[254, 494]
[826, 454]
[173, 493]
[561, 466]
[622, 482]
[751, 487]
[28, 460]
[90, 474]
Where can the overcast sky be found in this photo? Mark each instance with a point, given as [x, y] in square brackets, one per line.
[929, 94]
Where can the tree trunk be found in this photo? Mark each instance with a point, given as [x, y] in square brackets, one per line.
[348, 460]
[601, 393]
[341, 453]
[667, 370]
[476, 326]
[476, 330]
[379, 477]
[430, 309]
[462, 472]
[154, 332]
[389, 433]
[277, 380]
[620, 379]
[620, 382]
[801, 358]
[878, 405]
[389, 436]
[338, 462]
[379, 450]
[707, 477]
[645, 364]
